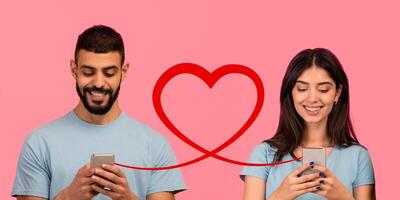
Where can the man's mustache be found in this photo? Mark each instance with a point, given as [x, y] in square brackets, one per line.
[99, 90]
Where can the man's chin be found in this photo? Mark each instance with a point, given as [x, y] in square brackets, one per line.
[98, 110]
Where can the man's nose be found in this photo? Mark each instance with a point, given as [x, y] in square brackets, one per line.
[99, 80]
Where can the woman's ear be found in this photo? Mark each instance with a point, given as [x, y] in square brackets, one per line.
[338, 93]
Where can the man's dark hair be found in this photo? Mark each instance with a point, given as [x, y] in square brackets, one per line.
[100, 39]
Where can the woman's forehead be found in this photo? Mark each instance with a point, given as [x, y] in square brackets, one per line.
[315, 75]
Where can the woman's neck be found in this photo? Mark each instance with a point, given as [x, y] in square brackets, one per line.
[316, 135]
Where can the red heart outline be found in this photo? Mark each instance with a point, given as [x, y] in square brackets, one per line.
[210, 79]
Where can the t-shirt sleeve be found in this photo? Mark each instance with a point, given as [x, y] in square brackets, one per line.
[258, 155]
[365, 170]
[32, 174]
[165, 180]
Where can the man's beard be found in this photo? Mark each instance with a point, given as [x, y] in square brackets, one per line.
[98, 110]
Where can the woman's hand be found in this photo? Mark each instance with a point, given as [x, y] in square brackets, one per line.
[296, 184]
[330, 187]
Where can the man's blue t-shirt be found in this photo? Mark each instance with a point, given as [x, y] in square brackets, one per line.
[352, 166]
[52, 155]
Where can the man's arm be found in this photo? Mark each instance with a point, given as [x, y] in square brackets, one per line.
[164, 184]
[161, 196]
[24, 197]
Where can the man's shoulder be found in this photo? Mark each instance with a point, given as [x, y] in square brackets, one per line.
[143, 129]
[41, 134]
[58, 123]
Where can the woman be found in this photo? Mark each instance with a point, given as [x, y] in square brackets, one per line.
[314, 113]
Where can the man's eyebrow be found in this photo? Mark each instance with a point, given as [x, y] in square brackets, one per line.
[110, 67]
[87, 67]
[105, 68]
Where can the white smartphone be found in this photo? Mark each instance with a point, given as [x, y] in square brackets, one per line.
[97, 159]
[316, 155]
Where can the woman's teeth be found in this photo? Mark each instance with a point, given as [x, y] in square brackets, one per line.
[312, 109]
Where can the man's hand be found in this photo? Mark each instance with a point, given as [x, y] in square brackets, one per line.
[113, 178]
[81, 186]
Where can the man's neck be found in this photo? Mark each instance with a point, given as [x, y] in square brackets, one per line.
[105, 119]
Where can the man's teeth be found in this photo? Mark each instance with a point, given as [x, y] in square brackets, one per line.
[313, 109]
[96, 93]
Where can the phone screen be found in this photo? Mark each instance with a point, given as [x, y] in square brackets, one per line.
[317, 155]
[98, 159]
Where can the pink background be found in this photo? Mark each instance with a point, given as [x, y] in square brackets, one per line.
[38, 38]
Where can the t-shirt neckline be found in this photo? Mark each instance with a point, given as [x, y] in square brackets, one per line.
[76, 118]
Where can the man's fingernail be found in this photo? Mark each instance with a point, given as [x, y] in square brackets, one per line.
[298, 175]
[321, 174]
[318, 188]
[321, 181]
[312, 163]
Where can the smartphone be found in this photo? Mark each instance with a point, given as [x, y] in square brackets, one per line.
[317, 155]
[97, 159]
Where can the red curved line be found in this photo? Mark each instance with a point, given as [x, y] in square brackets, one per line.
[204, 157]
[210, 79]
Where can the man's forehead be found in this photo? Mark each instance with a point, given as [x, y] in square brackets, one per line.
[98, 60]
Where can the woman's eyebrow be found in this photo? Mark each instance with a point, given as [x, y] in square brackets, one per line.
[302, 82]
[320, 83]
[324, 83]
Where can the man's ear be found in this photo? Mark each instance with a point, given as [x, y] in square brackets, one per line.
[338, 93]
[73, 67]
[125, 68]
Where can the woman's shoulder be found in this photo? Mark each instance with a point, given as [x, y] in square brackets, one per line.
[360, 162]
[356, 148]
[264, 146]
[355, 151]
[265, 149]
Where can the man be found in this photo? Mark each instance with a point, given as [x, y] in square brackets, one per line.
[53, 163]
